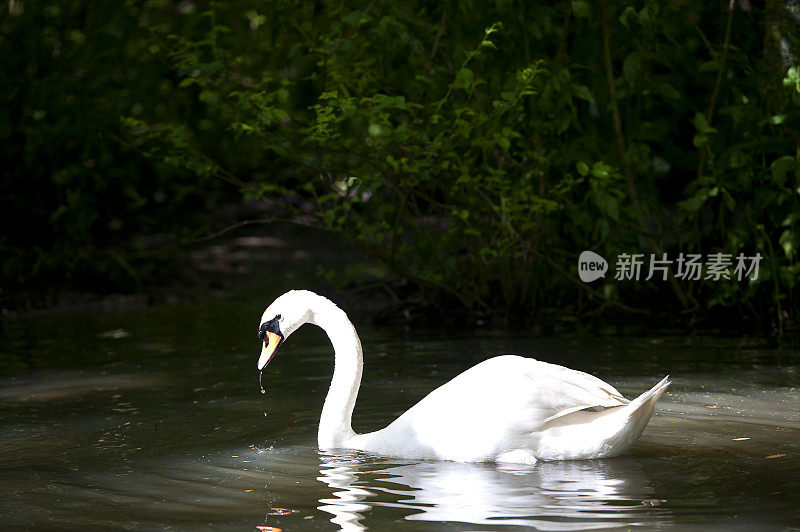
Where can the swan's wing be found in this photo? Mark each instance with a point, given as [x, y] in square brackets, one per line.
[523, 387]
[571, 385]
[564, 391]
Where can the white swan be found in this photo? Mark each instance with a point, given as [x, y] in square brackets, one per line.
[505, 409]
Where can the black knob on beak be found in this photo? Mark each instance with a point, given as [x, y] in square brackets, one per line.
[269, 326]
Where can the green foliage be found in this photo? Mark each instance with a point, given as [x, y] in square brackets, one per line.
[76, 200]
[478, 149]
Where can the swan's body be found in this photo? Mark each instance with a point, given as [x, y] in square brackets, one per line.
[505, 409]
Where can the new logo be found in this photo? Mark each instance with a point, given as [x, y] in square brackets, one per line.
[591, 266]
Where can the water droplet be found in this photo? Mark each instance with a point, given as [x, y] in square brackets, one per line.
[261, 386]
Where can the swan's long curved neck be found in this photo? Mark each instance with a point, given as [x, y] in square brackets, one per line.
[335, 424]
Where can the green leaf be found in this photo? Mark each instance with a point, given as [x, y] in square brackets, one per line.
[792, 78]
[789, 220]
[661, 165]
[497, 26]
[583, 168]
[504, 143]
[464, 79]
[627, 13]
[666, 90]
[601, 170]
[699, 140]
[581, 8]
[631, 68]
[701, 124]
[354, 17]
[729, 201]
[780, 167]
[582, 92]
[787, 241]
[608, 204]
[694, 203]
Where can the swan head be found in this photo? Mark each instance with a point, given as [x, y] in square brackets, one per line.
[284, 316]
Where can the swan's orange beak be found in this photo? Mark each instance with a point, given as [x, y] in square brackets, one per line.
[271, 341]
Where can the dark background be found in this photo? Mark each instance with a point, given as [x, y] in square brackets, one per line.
[471, 149]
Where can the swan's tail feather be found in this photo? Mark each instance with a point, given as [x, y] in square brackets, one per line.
[603, 434]
[637, 414]
[642, 407]
[653, 394]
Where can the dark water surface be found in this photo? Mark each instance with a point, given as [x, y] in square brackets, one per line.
[153, 419]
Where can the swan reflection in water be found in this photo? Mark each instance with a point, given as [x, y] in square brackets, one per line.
[588, 494]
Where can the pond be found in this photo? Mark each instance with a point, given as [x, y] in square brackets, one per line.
[153, 418]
